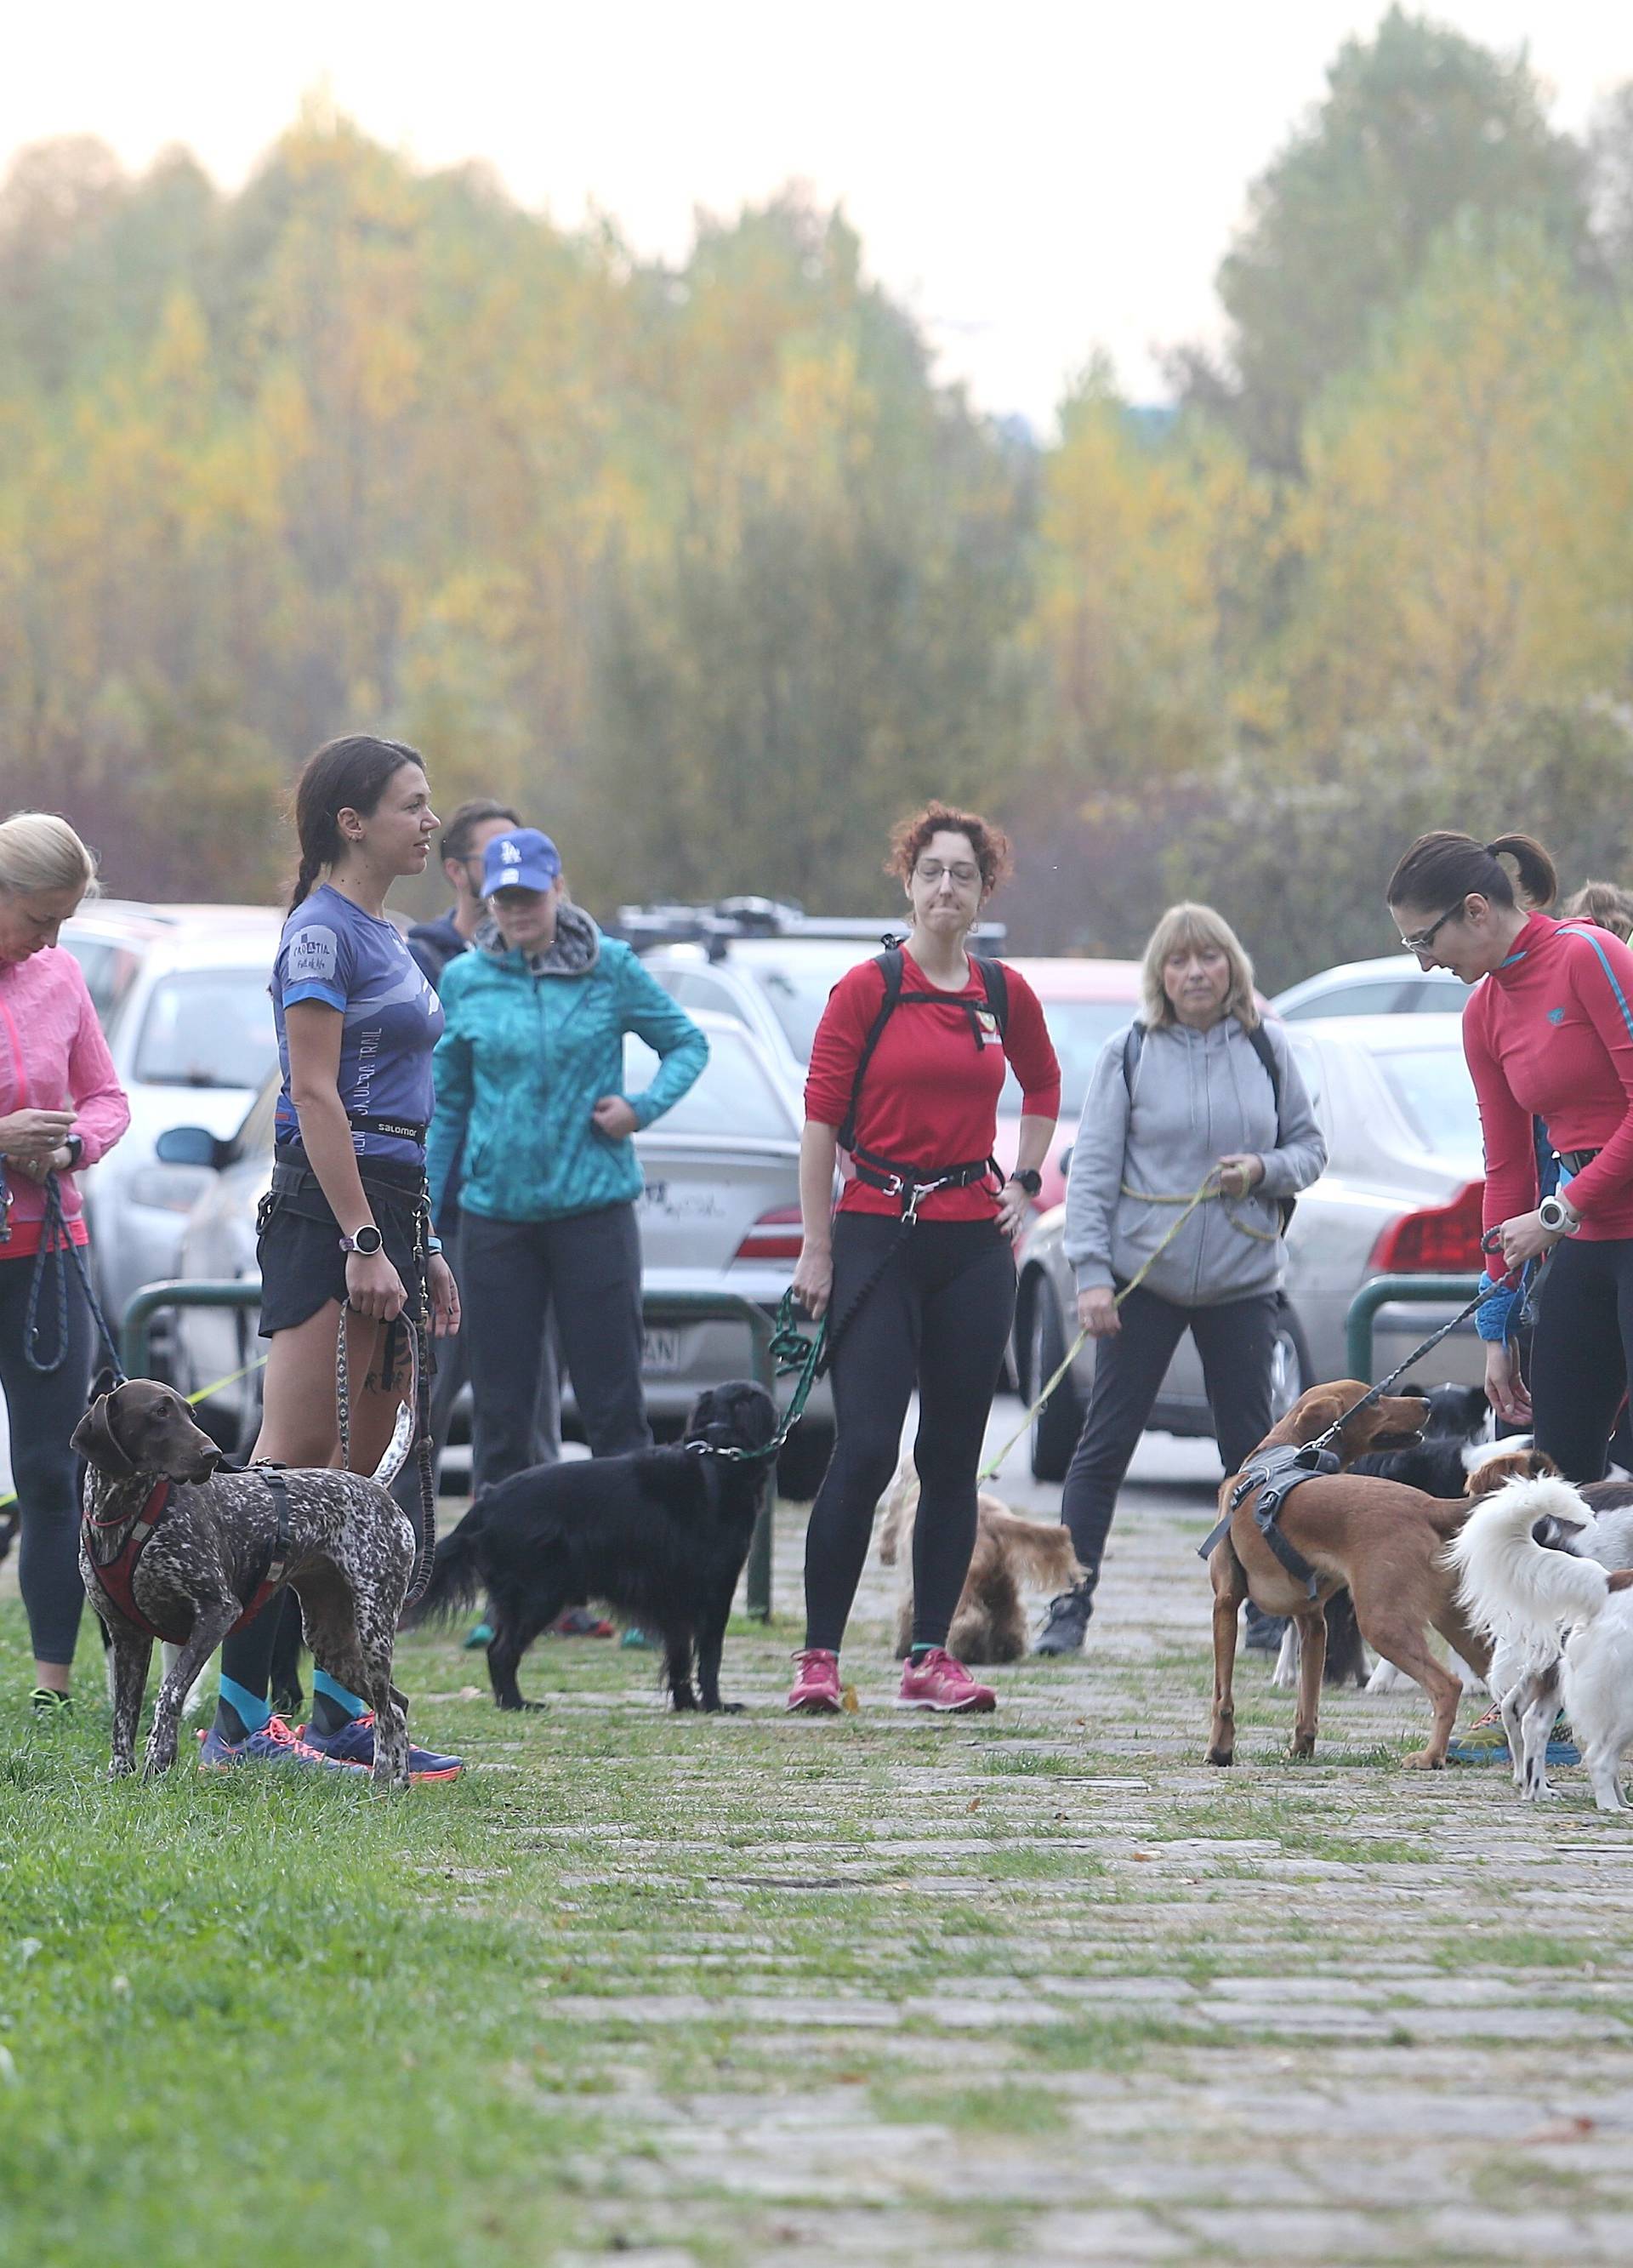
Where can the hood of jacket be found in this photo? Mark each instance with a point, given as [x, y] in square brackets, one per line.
[575, 951]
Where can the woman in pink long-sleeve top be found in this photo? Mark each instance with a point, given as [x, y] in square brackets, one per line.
[61, 1107]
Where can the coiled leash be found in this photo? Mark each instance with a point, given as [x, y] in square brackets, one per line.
[412, 1431]
[1199, 1195]
[55, 1244]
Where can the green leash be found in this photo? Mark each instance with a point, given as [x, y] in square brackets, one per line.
[791, 1351]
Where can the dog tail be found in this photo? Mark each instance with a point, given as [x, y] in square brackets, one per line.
[456, 1579]
[1509, 1584]
[1044, 1549]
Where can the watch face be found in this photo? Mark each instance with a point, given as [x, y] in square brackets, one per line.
[367, 1240]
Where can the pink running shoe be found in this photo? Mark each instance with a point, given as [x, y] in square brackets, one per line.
[935, 1681]
[816, 1689]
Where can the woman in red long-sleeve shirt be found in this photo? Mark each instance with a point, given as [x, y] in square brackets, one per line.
[1549, 1035]
[928, 1306]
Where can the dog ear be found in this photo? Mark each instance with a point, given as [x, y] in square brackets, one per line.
[97, 1442]
[1315, 1412]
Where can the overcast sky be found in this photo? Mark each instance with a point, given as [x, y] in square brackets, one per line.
[1036, 178]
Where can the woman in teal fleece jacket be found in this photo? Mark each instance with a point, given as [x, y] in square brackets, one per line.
[531, 1108]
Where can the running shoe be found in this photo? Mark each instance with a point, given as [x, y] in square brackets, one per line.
[354, 1744]
[936, 1681]
[579, 1622]
[478, 1637]
[816, 1688]
[46, 1701]
[274, 1744]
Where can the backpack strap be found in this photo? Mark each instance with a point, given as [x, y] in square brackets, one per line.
[889, 965]
[995, 980]
[1133, 1046]
[1259, 1041]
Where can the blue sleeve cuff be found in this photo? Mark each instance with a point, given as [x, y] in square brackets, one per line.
[307, 989]
[1495, 1313]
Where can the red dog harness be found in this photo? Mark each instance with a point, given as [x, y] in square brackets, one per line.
[117, 1575]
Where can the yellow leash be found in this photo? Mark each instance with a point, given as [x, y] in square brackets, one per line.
[988, 1471]
[193, 1399]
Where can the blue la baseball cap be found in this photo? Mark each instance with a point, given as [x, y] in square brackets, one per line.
[521, 860]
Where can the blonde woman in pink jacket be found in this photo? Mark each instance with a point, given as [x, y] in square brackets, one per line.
[61, 1107]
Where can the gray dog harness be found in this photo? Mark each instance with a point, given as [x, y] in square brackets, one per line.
[1275, 1473]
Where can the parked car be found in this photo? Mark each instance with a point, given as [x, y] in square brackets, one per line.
[1392, 986]
[181, 992]
[719, 1211]
[1402, 1194]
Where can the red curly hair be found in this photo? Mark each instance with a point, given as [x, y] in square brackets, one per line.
[990, 843]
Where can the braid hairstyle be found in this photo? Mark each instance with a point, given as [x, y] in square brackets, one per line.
[349, 773]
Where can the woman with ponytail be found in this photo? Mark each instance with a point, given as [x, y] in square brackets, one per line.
[341, 1227]
[1548, 1036]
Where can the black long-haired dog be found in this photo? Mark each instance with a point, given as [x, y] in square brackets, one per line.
[659, 1536]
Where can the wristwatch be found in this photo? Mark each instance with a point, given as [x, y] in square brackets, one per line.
[368, 1241]
[75, 1145]
[1557, 1218]
[1028, 1179]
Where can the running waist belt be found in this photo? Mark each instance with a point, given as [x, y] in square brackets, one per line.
[1574, 1161]
[897, 1181]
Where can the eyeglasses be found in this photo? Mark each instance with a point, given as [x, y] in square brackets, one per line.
[931, 870]
[1425, 937]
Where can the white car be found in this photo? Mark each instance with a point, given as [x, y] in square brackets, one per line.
[181, 992]
[1401, 1195]
[1391, 986]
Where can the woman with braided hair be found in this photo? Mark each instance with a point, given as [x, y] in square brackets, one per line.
[343, 1228]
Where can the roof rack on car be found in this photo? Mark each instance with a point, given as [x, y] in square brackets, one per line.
[715, 927]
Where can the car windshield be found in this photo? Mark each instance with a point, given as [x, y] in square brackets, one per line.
[208, 1027]
[1436, 1098]
[732, 1096]
[1079, 1029]
[798, 987]
[107, 965]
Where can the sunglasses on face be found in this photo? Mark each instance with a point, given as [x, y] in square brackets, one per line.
[1425, 937]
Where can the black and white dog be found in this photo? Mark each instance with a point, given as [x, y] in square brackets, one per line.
[659, 1536]
[171, 1548]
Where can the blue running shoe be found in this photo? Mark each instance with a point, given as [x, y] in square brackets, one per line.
[274, 1744]
[354, 1744]
[478, 1637]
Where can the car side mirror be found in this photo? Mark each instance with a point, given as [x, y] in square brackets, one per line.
[190, 1145]
[1065, 1159]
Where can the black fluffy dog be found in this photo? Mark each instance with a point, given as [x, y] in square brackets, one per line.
[660, 1536]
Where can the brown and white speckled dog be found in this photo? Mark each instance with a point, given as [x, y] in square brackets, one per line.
[348, 1551]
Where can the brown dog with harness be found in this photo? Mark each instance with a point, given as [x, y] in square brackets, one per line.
[1289, 1537]
[171, 1548]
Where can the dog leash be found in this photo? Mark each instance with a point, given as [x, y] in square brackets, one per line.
[411, 1434]
[56, 1244]
[1375, 1393]
[791, 1352]
[1199, 1195]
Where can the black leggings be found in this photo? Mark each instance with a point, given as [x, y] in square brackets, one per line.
[1236, 1342]
[938, 1319]
[1582, 1351]
[42, 1413]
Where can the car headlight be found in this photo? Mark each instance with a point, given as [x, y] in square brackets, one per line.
[170, 1189]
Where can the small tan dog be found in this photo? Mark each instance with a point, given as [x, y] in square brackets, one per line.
[990, 1623]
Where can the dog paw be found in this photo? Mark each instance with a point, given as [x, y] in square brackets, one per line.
[726, 1708]
[1221, 1756]
[1300, 1752]
[1422, 1760]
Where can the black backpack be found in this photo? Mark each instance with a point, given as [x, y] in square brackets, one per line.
[1258, 1039]
[994, 981]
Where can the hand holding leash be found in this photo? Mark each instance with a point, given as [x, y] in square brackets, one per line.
[373, 1287]
[813, 1279]
[1096, 1311]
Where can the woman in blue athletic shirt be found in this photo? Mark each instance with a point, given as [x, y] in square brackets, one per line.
[343, 1226]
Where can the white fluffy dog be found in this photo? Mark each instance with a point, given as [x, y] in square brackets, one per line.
[1564, 1626]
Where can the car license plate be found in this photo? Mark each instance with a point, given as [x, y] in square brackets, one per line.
[660, 1357]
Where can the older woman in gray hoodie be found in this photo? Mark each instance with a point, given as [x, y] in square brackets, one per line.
[1198, 1090]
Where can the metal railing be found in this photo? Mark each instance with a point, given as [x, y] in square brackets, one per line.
[1390, 1291]
[658, 1309]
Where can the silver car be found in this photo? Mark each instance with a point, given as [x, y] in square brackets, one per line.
[1401, 1195]
[181, 992]
[719, 1211]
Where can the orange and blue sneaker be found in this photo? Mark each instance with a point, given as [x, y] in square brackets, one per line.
[274, 1744]
[936, 1681]
[353, 1743]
